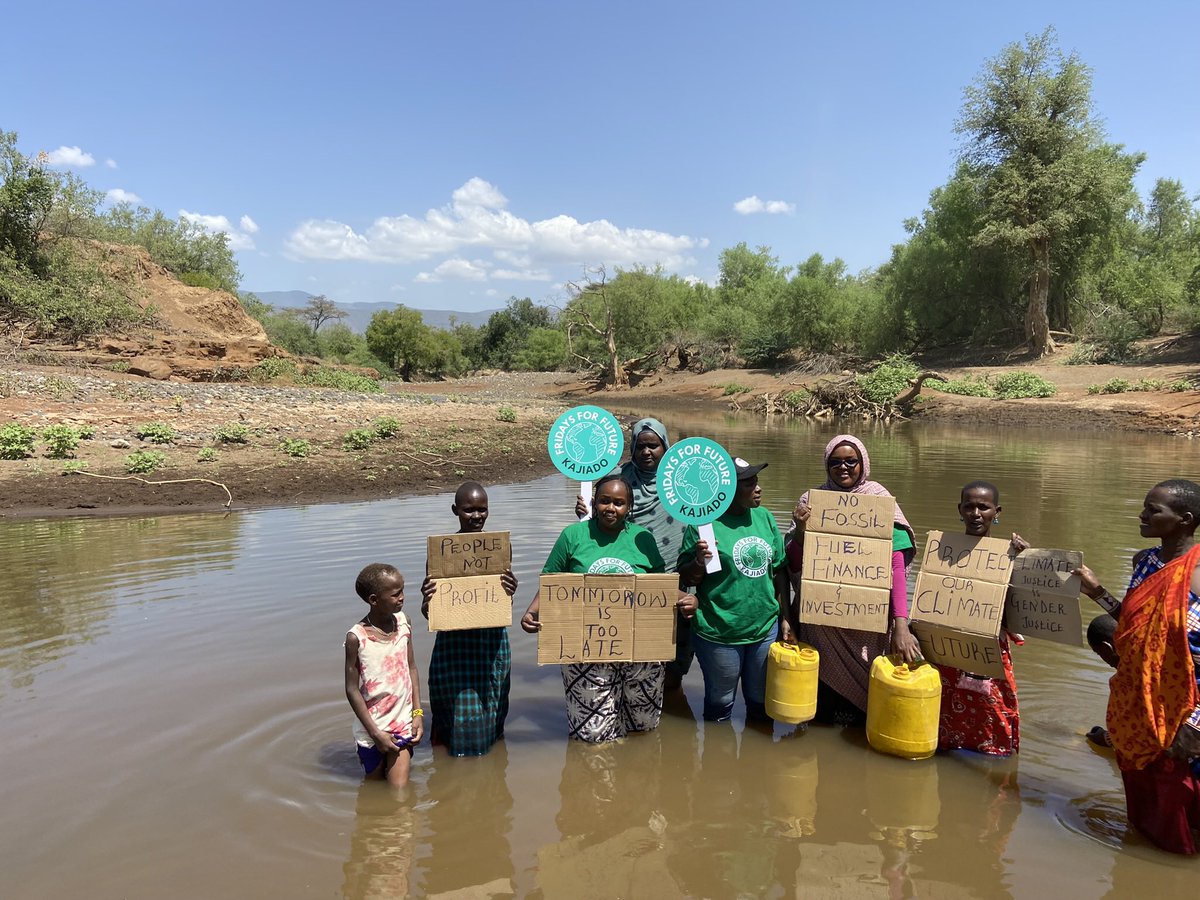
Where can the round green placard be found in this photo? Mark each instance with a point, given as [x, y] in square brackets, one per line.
[696, 480]
[586, 442]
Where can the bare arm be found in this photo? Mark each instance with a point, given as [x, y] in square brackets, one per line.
[418, 722]
[529, 621]
[783, 593]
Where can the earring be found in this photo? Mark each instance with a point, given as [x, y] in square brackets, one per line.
[996, 521]
[961, 519]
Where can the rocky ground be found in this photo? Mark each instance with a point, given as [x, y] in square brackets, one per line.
[447, 431]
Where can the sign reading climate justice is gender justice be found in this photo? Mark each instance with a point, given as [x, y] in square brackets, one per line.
[585, 443]
[696, 481]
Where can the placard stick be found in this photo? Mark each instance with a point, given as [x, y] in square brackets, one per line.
[706, 534]
[585, 491]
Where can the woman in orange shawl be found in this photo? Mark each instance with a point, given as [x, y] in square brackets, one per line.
[1154, 702]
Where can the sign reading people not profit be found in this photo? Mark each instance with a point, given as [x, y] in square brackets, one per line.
[958, 604]
[1044, 600]
[696, 481]
[585, 443]
[846, 575]
[607, 618]
[466, 570]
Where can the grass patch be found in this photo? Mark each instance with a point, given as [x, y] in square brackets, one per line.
[156, 433]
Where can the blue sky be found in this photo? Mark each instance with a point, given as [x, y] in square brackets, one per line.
[449, 155]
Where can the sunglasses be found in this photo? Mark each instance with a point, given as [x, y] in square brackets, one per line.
[842, 463]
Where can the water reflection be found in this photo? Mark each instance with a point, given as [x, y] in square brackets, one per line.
[200, 657]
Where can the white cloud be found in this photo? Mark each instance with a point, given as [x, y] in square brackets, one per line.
[119, 195]
[490, 292]
[238, 240]
[111, 163]
[248, 225]
[477, 217]
[461, 269]
[752, 204]
[70, 157]
[521, 274]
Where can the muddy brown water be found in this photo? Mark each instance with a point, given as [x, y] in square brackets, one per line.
[173, 721]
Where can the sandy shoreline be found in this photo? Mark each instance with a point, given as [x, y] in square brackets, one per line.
[489, 428]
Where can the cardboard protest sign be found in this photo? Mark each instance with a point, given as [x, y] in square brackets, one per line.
[695, 482]
[473, 553]
[478, 601]
[977, 654]
[1044, 601]
[957, 607]
[846, 573]
[607, 618]
[466, 570]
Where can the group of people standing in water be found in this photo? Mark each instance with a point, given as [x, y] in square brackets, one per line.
[728, 618]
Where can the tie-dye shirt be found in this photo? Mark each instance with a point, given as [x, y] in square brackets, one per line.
[384, 679]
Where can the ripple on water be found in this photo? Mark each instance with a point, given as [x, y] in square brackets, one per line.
[1098, 816]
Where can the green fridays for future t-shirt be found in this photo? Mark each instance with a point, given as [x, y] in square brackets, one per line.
[737, 605]
[586, 549]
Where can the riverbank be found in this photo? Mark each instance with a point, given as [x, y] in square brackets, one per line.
[490, 428]
[293, 448]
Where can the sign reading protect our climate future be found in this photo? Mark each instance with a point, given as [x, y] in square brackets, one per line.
[585, 443]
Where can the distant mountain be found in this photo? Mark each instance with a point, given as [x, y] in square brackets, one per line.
[360, 313]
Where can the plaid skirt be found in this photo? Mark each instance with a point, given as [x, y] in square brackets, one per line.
[469, 676]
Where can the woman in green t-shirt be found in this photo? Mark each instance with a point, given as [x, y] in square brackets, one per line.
[606, 701]
[740, 605]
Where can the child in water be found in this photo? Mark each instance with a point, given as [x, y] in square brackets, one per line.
[979, 713]
[382, 682]
[470, 669]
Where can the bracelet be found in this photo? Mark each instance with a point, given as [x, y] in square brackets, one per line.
[418, 712]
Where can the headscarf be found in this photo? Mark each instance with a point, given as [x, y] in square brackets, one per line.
[646, 508]
[864, 485]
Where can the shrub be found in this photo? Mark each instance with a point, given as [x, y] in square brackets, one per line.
[964, 387]
[60, 441]
[16, 441]
[140, 462]
[358, 439]
[298, 448]
[1112, 386]
[1015, 385]
[342, 381]
[206, 454]
[506, 414]
[1083, 354]
[1150, 384]
[796, 399]
[1180, 385]
[85, 432]
[272, 368]
[735, 388]
[888, 379]
[386, 427]
[231, 433]
[156, 432]
[73, 465]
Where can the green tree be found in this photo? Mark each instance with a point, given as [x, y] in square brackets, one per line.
[508, 329]
[26, 201]
[399, 337]
[319, 310]
[545, 350]
[1031, 139]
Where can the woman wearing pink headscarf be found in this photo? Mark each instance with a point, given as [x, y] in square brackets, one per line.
[847, 653]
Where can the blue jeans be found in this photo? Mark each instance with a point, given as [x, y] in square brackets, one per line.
[722, 666]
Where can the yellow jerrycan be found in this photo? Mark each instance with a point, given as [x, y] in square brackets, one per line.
[903, 703]
[792, 682]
